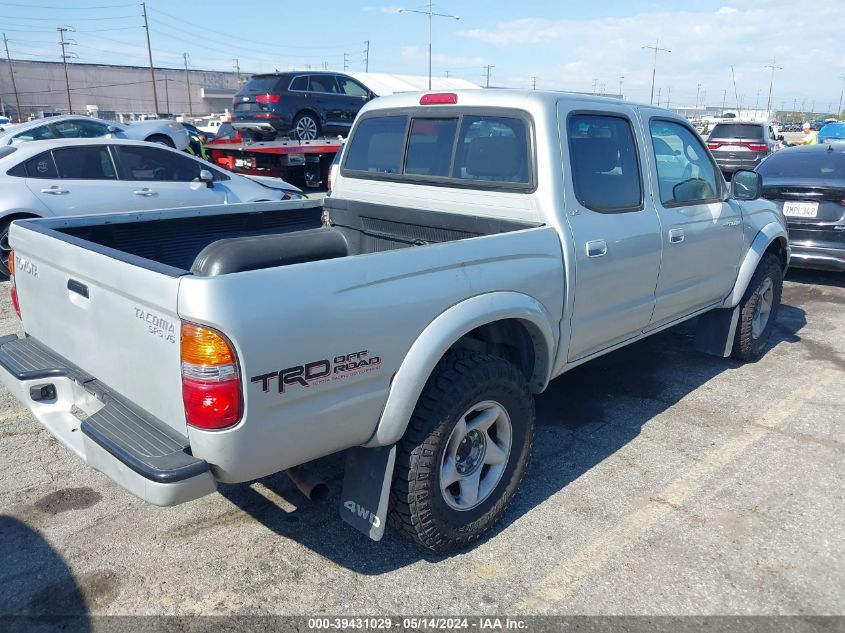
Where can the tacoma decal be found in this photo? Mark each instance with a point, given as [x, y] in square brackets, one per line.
[157, 326]
[319, 371]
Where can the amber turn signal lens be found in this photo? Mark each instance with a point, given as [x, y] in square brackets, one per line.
[204, 346]
[11, 264]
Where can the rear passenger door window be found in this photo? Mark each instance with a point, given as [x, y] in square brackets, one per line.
[685, 172]
[299, 84]
[323, 83]
[153, 164]
[42, 166]
[80, 129]
[90, 162]
[605, 169]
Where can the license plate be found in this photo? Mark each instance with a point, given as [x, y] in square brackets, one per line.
[800, 209]
[732, 148]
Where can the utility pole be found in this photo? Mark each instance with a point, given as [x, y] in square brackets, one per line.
[15, 85]
[431, 14]
[655, 48]
[447, 74]
[757, 102]
[724, 96]
[668, 96]
[774, 67]
[238, 70]
[736, 96]
[367, 56]
[595, 81]
[345, 62]
[167, 94]
[150, 53]
[65, 56]
[838, 112]
[621, 77]
[489, 66]
[658, 97]
[188, 83]
[697, 91]
[533, 82]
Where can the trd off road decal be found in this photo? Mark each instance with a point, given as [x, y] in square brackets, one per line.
[318, 371]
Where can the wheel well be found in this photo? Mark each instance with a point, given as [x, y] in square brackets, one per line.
[20, 215]
[510, 339]
[778, 247]
[313, 113]
[152, 138]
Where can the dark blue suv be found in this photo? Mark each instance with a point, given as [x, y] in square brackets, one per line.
[303, 105]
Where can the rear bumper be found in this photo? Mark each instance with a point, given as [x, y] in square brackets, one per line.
[818, 257]
[730, 165]
[139, 452]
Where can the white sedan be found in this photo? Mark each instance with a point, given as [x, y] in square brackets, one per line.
[85, 176]
[162, 131]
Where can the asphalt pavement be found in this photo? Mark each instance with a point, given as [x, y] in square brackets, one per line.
[664, 482]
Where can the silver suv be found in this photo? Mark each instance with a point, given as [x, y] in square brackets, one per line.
[742, 145]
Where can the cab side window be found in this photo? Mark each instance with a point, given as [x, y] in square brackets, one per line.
[605, 167]
[80, 129]
[685, 172]
[322, 83]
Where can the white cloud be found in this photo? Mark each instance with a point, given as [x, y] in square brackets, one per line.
[704, 45]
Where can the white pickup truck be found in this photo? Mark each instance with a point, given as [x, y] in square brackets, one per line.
[476, 245]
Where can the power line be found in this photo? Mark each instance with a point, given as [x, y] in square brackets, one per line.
[65, 7]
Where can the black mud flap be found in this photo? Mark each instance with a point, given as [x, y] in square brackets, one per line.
[716, 330]
[366, 489]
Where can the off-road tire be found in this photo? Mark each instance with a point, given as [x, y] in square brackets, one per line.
[417, 505]
[746, 346]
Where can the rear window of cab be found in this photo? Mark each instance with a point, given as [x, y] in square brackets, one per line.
[464, 149]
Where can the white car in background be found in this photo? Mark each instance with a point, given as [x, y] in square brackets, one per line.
[164, 132]
[87, 176]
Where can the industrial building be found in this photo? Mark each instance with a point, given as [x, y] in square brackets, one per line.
[112, 92]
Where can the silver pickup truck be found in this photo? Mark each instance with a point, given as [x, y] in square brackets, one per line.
[476, 245]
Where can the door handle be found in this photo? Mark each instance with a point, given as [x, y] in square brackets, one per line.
[146, 192]
[676, 236]
[55, 190]
[596, 248]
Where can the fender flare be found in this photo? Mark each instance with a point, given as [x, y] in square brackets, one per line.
[443, 332]
[761, 242]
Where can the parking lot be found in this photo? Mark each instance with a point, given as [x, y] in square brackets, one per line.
[663, 482]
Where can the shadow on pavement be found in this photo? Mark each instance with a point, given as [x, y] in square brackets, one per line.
[816, 277]
[584, 416]
[39, 591]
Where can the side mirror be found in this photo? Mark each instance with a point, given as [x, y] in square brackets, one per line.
[781, 137]
[113, 129]
[746, 185]
[207, 177]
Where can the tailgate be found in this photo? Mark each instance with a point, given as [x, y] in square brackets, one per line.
[125, 332]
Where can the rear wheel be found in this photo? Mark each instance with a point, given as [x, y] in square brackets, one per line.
[758, 309]
[464, 453]
[306, 127]
[161, 139]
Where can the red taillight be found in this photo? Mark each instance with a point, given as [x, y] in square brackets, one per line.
[13, 291]
[264, 115]
[211, 384]
[268, 98]
[756, 147]
[439, 98]
[713, 145]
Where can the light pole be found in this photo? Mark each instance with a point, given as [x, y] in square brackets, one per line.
[431, 14]
[774, 67]
[621, 78]
[655, 48]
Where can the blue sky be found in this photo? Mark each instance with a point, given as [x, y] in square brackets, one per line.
[565, 45]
